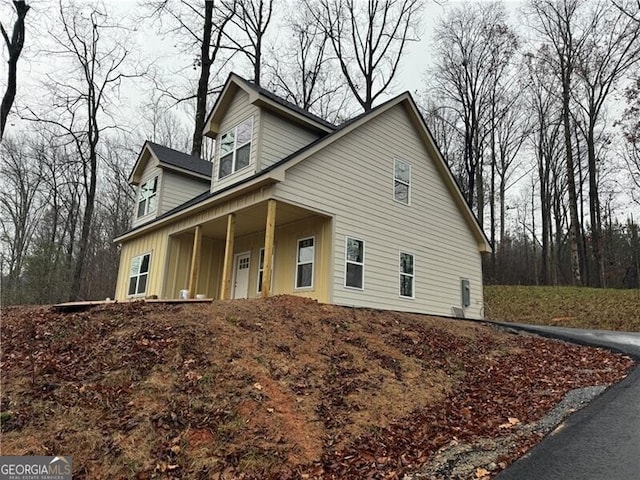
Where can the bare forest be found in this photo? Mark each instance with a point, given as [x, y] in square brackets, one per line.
[535, 106]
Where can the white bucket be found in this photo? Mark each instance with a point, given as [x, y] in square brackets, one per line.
[200, 296]
[184, 294]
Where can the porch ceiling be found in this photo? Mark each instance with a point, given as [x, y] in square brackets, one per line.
[253, 219]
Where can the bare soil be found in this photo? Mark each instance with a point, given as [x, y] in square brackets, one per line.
[277, 388]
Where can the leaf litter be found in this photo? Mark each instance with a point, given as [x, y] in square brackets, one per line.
[280, 388]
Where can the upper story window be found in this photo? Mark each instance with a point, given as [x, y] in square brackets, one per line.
[148, 197]
[235, 148]
[401, 181]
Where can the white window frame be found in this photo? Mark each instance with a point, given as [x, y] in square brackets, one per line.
[236, 147]
[312, 262]
[145, 196]
[412, 275]
[138, 275]
[403, 182]
[261, 269]
[347, 261]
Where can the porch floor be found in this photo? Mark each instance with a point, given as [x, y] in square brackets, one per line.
[79, 306]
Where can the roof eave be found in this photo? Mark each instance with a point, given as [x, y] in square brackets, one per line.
[255, 183]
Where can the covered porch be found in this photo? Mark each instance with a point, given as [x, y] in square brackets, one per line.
[268, 248]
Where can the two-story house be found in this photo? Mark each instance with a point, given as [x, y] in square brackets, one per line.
[363, 214]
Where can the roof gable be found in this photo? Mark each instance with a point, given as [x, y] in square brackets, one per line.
[261, 98]
[416, 118]
[277, 171]
[171, 159]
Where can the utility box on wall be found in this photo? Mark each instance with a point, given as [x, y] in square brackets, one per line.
[466, 292]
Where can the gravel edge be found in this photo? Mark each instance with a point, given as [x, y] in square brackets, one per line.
[479, 460]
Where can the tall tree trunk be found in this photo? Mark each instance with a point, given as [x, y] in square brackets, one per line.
[203, 81]
[574, 227]
[594, 208]
[14, 47]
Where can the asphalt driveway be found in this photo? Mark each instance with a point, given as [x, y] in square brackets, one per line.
[599, 442]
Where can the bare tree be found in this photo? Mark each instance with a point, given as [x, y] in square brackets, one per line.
[303, 72]
[201, 28]
[612, 47]
[474, 46]
[14, 47]
[20, 184]
[556, 23]
[251, 18]
[368, 39]
[81, 102]
[542, 101]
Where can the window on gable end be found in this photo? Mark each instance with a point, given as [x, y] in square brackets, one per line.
[147, 197]
[235, 148]
[401, 181]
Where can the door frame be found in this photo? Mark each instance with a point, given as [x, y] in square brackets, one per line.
[236, 258]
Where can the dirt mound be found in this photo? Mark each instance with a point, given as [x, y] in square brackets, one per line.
[277, 388]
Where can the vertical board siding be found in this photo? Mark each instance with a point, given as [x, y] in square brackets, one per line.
[356, 173]
[156, 244]
[284, 270]
[163, 265]
[177, 189]
[239, 110]
[279, 137]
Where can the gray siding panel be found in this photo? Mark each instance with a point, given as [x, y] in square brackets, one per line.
[177, 189]
[356, 175]
[280, 137]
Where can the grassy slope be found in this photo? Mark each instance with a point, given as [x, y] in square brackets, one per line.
[609, 309]
[270, 389]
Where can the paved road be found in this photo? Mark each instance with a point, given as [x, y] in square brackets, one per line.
[599, 442]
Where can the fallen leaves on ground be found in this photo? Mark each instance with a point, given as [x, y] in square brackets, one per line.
[278, 388]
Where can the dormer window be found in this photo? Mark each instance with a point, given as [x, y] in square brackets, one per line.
[235, 148]
[147, 197]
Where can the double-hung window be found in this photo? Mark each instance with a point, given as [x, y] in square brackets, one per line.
[304, 262]
[401, 181]
[139, 274]
[354, 263]
[407, 275]
[147, 197]
[235, 148]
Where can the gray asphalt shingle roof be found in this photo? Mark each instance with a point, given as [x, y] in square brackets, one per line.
[181, 160]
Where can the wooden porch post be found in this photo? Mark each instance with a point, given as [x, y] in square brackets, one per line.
[269, 235]
[225, 288]
[195, 261]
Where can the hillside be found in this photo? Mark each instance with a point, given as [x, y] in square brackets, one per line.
[277, 388]
[580, 307]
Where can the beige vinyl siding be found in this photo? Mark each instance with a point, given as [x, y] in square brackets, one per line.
[151, 170]
[177, 189]
[239, 110]
[356, 178]
[280, 137]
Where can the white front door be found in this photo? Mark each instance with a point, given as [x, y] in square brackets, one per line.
[241, 275]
